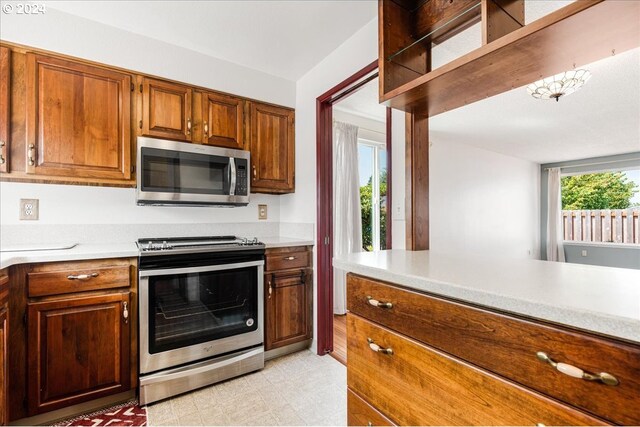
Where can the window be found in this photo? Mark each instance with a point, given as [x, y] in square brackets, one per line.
[372, 164]
[602, 207]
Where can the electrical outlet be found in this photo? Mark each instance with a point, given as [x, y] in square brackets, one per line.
[262, 211]
[29, 209]
[584, 253]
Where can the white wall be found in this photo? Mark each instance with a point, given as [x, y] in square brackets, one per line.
[351, 56]
[61, 204]
[483, 203]
[398, 223]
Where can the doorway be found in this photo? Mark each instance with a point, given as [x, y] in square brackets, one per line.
[355, 100]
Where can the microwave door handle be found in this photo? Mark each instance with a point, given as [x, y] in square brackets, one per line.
[232, 176]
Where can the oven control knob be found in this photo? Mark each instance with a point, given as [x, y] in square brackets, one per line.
[244, 242]
[254, 241]
[249, 322]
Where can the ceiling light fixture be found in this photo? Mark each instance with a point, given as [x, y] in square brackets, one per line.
[559, 85]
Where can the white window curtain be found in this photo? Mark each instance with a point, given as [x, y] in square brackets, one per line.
[347, 221]
[555, 248]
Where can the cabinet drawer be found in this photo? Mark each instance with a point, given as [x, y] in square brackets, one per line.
[416, 385]
[360, 413]
[508, 346]
[68, 277]
[287, 260]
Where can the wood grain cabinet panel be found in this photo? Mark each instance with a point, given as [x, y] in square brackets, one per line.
[223, 120]
[166, 110]
[360, 413]
[416, 385]
[78, 120]
[272, 146]
[288, 296]
[508, 345]
[78, 350]
[5, 108]
[4, 295]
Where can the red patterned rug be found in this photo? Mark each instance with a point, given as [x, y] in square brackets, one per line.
[125, 414]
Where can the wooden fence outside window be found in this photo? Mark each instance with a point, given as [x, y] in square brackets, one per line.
[607, 225]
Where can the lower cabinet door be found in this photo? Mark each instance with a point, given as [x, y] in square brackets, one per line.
[78, 350]
[288, 305]
[360, 413]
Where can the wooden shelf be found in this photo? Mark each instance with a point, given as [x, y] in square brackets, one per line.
[582, 32]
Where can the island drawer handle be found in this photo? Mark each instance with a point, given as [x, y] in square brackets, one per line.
[289, 258]
[82, 276]
[375, 347]
[376, 303]
[576, 372]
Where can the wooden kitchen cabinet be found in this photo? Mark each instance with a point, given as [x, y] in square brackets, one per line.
[288, 296]
[74, 334]
[77, 120]
[223, 120]
[4, 295]
[5, 108]
[452, 347]
[166, 110]
[272, 146]
[78, 350]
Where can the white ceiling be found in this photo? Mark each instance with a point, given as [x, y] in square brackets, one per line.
[282, 38]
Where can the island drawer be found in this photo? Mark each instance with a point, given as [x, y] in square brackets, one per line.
[509, 345]
[360, 413]
[287, 258]
[417, 385]
[78, 276]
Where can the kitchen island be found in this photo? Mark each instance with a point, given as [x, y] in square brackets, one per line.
[445, 339]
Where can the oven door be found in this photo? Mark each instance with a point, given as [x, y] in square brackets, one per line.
[192, 313]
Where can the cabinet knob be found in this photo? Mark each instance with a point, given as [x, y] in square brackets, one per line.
[189, 126]
[31, 154]
[270, 289]
[255, 173]
[206, 129]
[125, 311]
[575, 372]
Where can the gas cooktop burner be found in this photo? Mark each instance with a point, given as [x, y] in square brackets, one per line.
[197, 244]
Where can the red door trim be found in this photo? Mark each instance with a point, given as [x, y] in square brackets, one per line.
[324, 183]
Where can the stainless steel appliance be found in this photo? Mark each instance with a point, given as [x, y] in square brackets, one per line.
[177, 173]
[201, 312]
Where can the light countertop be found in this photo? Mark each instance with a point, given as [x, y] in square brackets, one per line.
[106, 250]
[78, 252]
[605, 300]
[282, 242]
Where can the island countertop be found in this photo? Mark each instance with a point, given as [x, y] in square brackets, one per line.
[604, 300]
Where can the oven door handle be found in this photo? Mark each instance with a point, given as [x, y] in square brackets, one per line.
[203, 269]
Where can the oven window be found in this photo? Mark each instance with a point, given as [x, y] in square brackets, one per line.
[188, 309]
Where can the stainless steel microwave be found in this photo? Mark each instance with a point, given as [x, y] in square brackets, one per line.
[179, 173]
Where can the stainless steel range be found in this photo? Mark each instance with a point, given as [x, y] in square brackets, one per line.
[201, 318]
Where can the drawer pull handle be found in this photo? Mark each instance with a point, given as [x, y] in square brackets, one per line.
[289, 258]
[576, 372]
[375, 347]
[376, 303]
[270, 289]
[82, 276]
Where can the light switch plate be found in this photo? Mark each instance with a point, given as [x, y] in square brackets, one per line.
[262, 211]
[29, 209]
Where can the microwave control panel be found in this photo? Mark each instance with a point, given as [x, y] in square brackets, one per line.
[241, 177]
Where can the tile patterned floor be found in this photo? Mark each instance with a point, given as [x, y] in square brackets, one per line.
[298, 389]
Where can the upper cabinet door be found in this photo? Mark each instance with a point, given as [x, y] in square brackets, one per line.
[222, 120]
[272, 149]
[78, 120]
[5, 106]
[166, 110]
